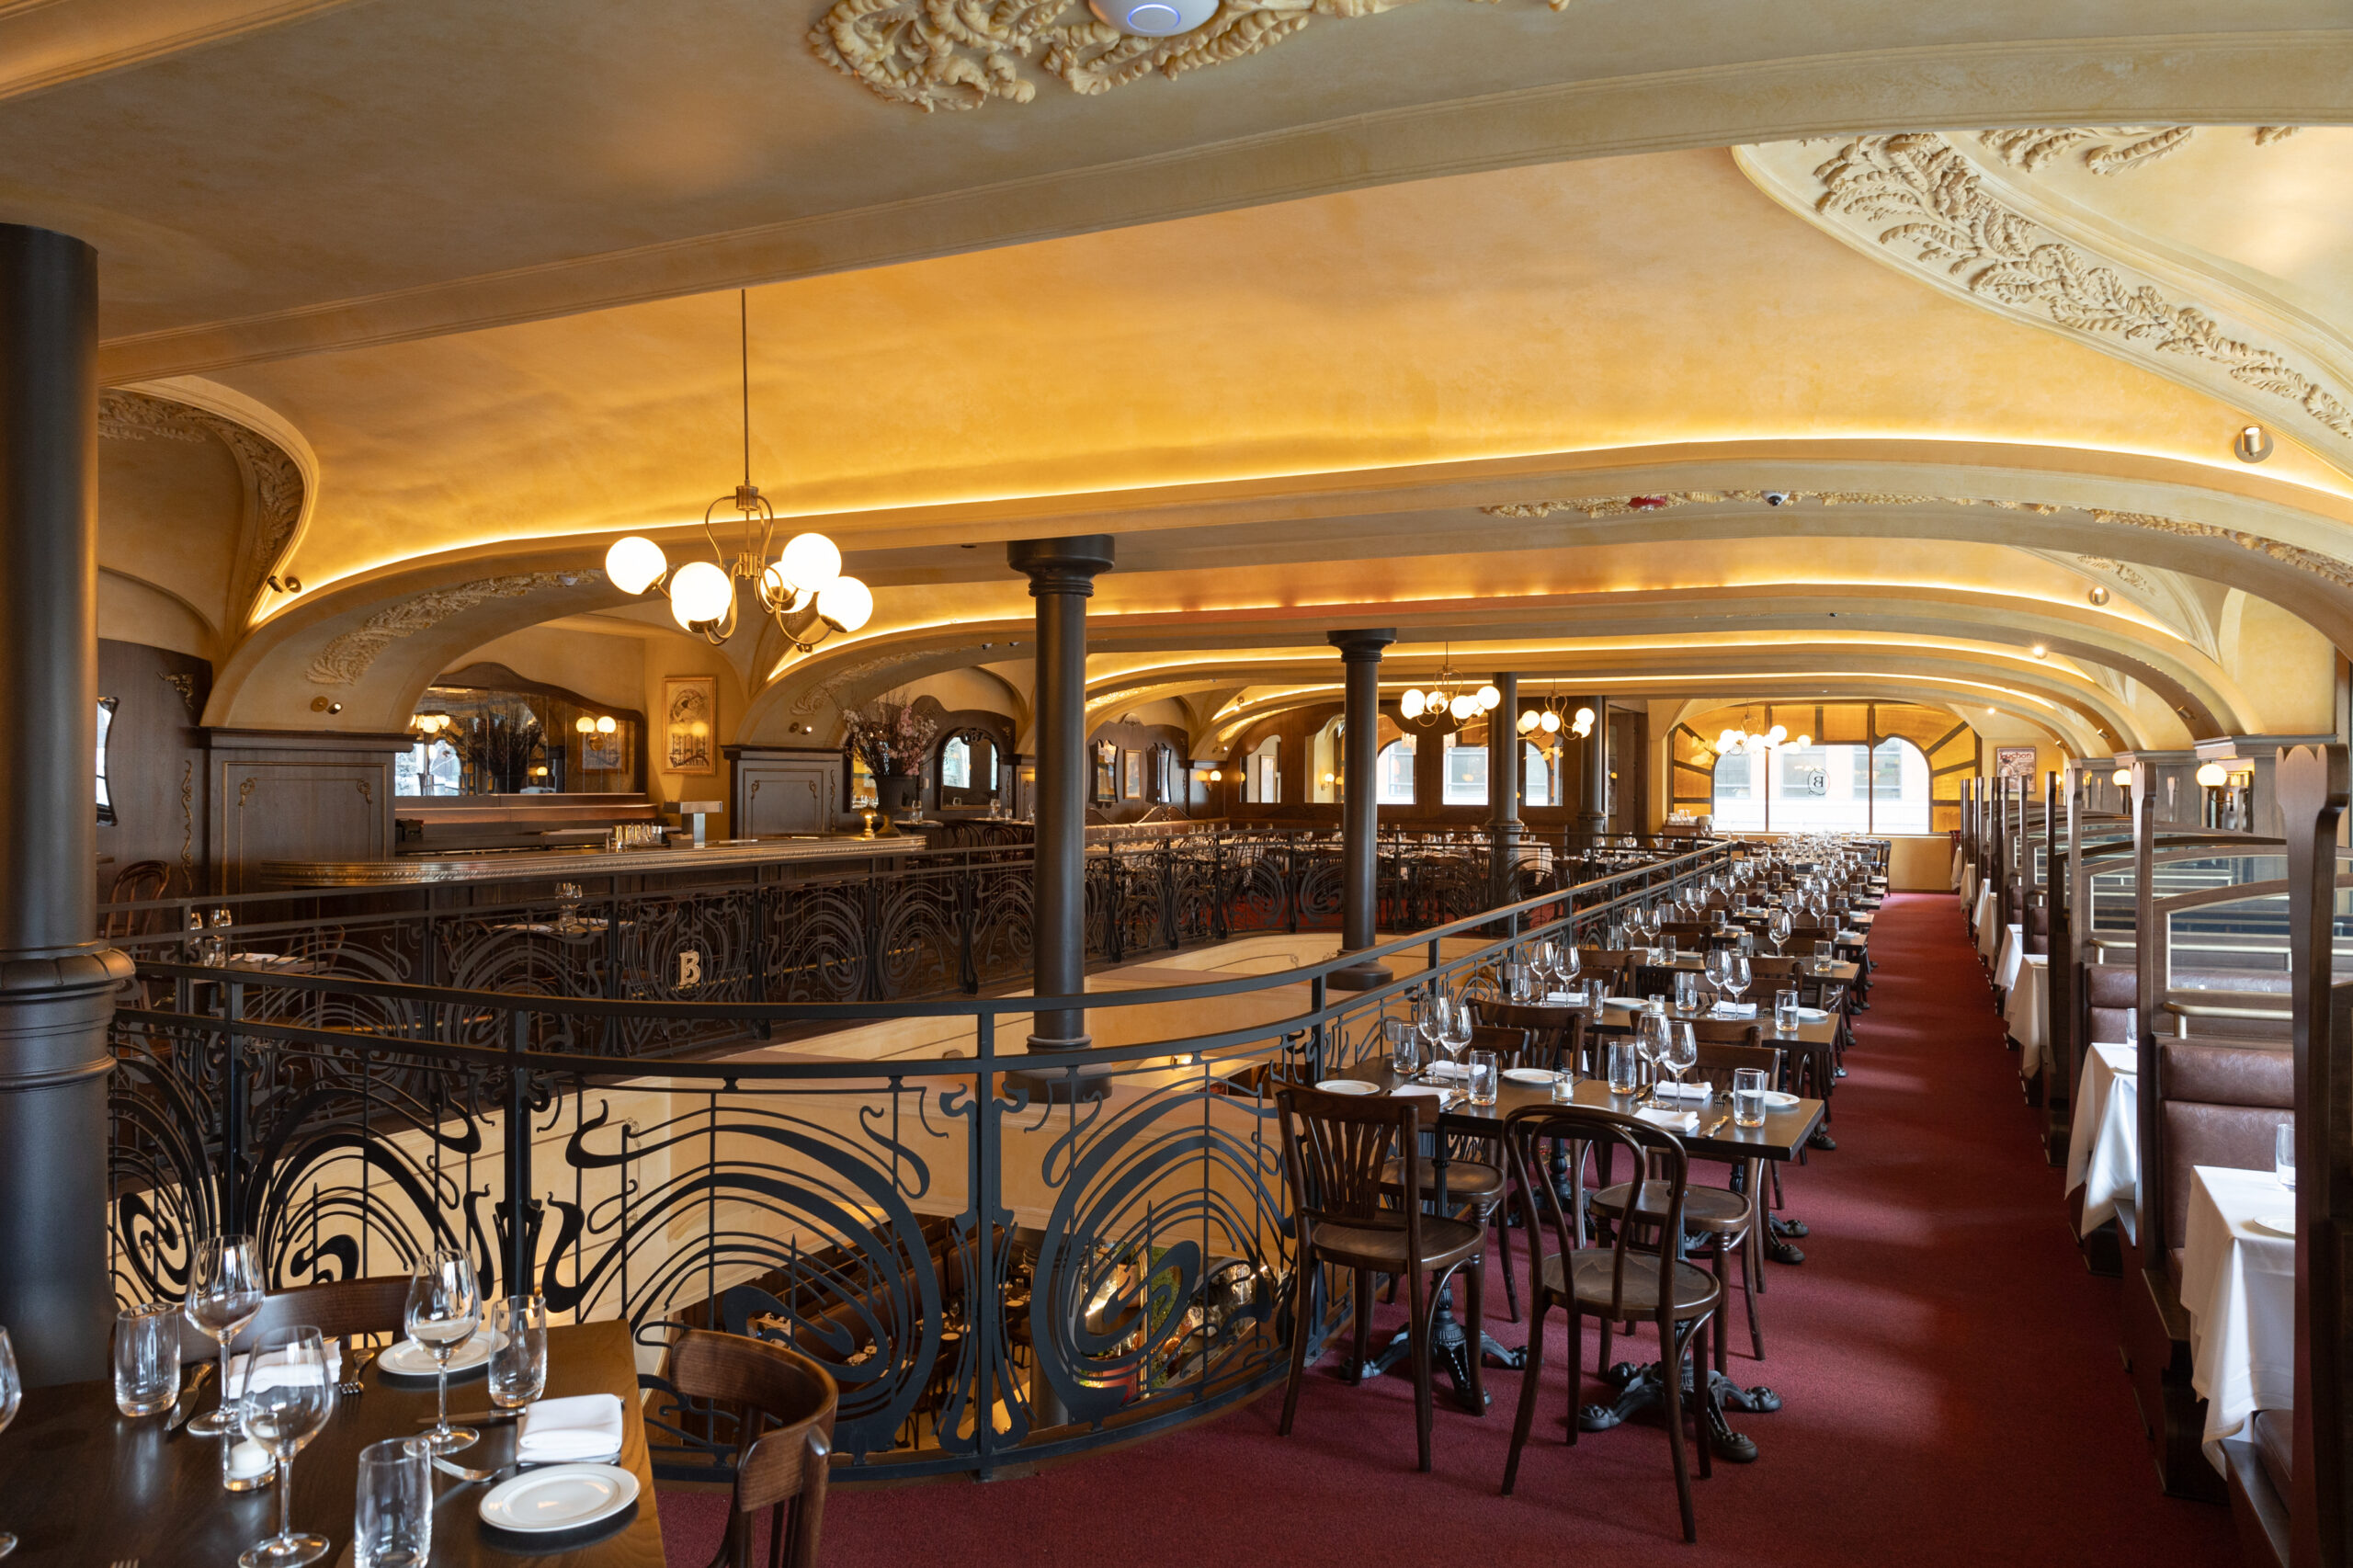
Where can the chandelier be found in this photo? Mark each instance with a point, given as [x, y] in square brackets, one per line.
[803, 590]
[1742, 738]
[1549, 719]
[1449, 702]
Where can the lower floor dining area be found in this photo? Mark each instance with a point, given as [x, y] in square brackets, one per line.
[1951, 1385]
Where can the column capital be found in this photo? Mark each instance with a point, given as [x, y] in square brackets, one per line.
[1067, 565]
[1364, 644]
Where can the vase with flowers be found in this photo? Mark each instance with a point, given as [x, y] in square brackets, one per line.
[893, 740]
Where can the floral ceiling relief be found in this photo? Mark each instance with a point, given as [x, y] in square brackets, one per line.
[346, 658]
[951, 54]
[2106, 150]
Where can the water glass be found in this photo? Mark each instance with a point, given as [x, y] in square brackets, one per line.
[2283, 1154]
[1666, 947]
[1404, 1047]
[1785, 1011]
[146, 1358]
[1687, 991]
[1825, 954]
[1482, 1077]
[1518, 985]
[393, 1525]
[1625, 1067]
[1748, 1096]
[519, 1359]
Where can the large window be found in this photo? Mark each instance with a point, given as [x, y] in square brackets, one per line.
[1824, 789]
[1466, 774]
[1393, 771]
[1539, 782]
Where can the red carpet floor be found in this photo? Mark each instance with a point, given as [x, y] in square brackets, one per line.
[1949, 1371]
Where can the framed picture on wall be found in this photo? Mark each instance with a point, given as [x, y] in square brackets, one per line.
[1132, 776]
[2013, 762]
[601, 753]
[1106, 771]
[690, 724]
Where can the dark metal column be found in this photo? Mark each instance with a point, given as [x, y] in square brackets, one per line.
[1062, 579]
[1592, 811]
[1359, 804]
[1503, 784]
[56, 984]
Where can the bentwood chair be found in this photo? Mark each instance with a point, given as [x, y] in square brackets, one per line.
[1474, 1169]
[1336, 1150]
[785, 1405]
[1719, 1221]
[341, 1310]
[1637, 1276]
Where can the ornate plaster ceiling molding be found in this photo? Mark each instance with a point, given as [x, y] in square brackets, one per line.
[938, 54]
[346, 658]
[2105, 150]
[1916, 201]
[2336, 572]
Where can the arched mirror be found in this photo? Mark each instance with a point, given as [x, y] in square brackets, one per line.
[968, 769]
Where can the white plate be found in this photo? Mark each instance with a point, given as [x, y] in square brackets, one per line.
[1776, 1100]
[1621, 1001]
[2276, 1225]
[410, 1359]
[1348, 1087]
[559, 1497]
[1527, 1074]
[1812, 1015]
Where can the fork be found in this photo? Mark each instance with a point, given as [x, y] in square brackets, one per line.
[451, 1467]
[351, 1387]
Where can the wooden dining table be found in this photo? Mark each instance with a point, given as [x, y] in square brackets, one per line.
[1781, 1138]
[84, 1486]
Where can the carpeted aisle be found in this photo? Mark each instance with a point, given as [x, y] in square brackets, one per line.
[1953, 1392]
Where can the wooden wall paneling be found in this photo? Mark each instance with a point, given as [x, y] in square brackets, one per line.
[155, 766]
[289, 795]
[779, 790]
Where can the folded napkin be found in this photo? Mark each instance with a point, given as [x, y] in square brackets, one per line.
[1688, 1095]
[275, 1370]
[583, 1430]
[1449, 1070]
[1734, 1010]
[1673, 1120]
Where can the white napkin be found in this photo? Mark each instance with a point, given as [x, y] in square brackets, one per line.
[583, 1430]
[1734, 1010]
[1449, 1070]
[1688, 1094]
[276, 1370]
[1673, 1120]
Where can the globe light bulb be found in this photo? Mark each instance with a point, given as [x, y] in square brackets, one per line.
[1490, 698]
[780, 593]
[2121, 777]
[810, 561]
[1776, 736]
[1804, 741]
[606, 725]
[700, 592]
[1528, 721]
[584, 725]
[1410, 703]
[634, 565]
[845, 603]
[1462, 707]
[2211, 774]
[1550, 722]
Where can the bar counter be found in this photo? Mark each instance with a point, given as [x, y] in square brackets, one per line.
[593, 860]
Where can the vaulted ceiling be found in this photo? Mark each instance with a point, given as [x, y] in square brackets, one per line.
[1504, 324]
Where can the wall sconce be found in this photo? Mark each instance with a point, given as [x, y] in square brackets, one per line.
[2252, 444]
[2212, 775]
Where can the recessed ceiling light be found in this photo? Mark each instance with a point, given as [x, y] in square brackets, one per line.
[1153, 18]
[2040, 651]
[2098, 597]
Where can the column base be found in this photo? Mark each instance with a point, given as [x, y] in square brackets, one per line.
[1359, 977]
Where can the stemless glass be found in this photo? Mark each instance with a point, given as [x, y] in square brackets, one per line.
[146, 1358]
[2283, 1154]
[223, 1295]
[1484, 1069]
[1625, 1067]
[284, 1413]
[12, 1392]
[1825, 954]
[1748, 1096]
[519, 1357]
[444, 1310]
[393, 1525]
[1404, 1053]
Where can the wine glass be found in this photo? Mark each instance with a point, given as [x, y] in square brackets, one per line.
[1457, 1038]
[1738, 975]
[1567, 966]
[224, 1293]
[1649, 1040]
[12, 1392]
[283, 1416]
[1429, 1021]
[1678, 1052]
[444, 1310]
[1718, 965]
[1779, 928]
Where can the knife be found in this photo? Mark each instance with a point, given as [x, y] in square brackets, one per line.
[185, 1405]
[1714, 1125]
[474, 1417]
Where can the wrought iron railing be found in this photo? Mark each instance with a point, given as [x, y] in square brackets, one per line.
[1005, 1256]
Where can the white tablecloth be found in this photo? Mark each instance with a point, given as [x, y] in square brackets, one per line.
[2027, 1013]
[1988, 922]
[2238, 1284]
[1969, 890]
[2006, 968]
[2104, 1148]
[1956, 868]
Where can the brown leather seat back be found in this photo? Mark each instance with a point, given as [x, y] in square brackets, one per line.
[2112, 989]
[2038, 928]
[2221, 1107]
